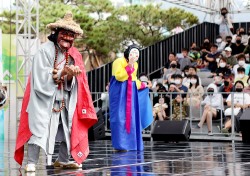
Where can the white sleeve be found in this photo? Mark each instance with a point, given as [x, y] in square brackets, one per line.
[247, 98]
[228, 98]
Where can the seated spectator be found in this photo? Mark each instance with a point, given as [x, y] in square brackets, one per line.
[178, 86]
[218, 80]
[213, 108]
[241, 101]
[220, 43]
[185, 75]
[244, 37]
[205, 48]
[159, 109]
[144, 78]
[179, 108]
[247, 48]
[195, 91]
[222, 69]
[228, 41]
[184, 60]
[238, 47]
[241, 63]
[195, 55]
[211, 58]
[231, 60]
[160, 102]
[227, 87]
[105, 104]
[241, 76]
[171, 57]
[247, 89]
[171, 71]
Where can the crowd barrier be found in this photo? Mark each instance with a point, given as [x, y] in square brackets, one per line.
[194, 114]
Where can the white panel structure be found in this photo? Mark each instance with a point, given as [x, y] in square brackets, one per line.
[27, 42]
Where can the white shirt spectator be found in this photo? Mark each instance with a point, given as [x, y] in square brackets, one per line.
[240, 98]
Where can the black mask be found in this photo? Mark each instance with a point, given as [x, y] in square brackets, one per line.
[229, 41]
[238, 89]
[226, 83]
[238, 41]
[173, 65]
[242, 33]
[206, 42]
[210, 92]
[223, 13]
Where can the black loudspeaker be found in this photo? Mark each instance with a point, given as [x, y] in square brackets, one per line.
[171, 130]
[97, 131]
[245, 126]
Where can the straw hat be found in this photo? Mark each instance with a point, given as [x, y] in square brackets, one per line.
[66, 23]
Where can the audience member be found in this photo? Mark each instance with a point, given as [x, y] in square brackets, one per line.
[241, 101]
[231, 60]
[227, 87]
[211, 58]
[241, 63]
[241, 76]
[184, 60]
[195, 91]
[213, 107]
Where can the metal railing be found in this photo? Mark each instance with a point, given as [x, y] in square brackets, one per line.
[193, 120]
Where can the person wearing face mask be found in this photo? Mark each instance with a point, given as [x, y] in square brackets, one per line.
[195, 91]
[237, 47]
[241, 101]
[227, 87]
[222, 69]
[213, 107]
[247, 89]
[228, 41]
[241, 63]
[247, 49]
[171, 57]
[244, 37]
[225, 23]
[220, 43]
[231, 60]
[144, 78]
[171, 71]
[205, 48]
[241, 76]
[130, 107]
[178, 85]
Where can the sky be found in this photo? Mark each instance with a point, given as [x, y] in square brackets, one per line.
[242, 17]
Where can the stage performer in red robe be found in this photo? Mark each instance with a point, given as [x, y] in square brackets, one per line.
[57, 104]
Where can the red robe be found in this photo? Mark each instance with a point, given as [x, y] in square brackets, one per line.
[84, 117]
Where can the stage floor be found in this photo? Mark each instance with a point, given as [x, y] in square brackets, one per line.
[158, 158]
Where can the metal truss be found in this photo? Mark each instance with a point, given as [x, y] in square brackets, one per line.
[27, 42]
[213, 6]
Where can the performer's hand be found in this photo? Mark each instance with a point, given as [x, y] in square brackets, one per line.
[73, 70]
[55, 76]
[131, 61]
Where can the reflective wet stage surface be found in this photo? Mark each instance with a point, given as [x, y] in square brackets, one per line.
[158, 158]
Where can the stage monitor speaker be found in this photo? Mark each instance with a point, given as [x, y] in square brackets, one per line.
[97, 131]
[171, 130]
[245, 126]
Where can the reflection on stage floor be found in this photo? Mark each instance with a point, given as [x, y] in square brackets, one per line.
[158, 158]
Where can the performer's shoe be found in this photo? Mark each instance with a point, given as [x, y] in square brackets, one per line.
[67, 165]
[30, 168]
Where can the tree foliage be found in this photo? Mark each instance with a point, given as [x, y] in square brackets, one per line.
[107, 28]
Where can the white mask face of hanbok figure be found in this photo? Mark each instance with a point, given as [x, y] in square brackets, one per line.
[133, 55]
